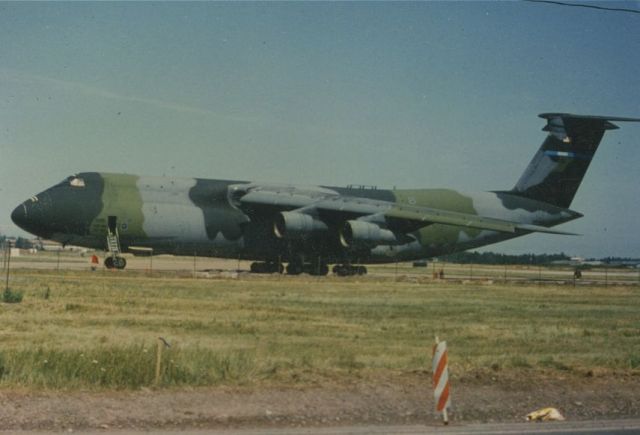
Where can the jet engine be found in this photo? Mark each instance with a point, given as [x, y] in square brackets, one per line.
[366, 233]
[291, 224]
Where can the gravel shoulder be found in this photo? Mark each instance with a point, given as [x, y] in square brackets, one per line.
[397, 400]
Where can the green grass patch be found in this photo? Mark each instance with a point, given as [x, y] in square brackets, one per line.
[11, 297]
[131, 366]
[301, 331]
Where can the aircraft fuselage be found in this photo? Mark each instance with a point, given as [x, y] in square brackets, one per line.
[186, 216]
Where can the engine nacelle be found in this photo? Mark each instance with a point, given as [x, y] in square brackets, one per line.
[291, 224]
[361, 233]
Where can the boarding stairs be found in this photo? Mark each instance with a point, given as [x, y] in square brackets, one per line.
[113, 242]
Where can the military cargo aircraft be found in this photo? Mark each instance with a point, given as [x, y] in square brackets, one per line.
[312, 227]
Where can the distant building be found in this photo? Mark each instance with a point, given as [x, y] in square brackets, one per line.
[49, 245]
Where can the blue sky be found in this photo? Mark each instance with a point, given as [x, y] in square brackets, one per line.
[428, 94]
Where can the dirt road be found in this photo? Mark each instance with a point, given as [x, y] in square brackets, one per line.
[404, 400]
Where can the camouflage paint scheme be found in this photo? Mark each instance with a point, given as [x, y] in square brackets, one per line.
[235, 219]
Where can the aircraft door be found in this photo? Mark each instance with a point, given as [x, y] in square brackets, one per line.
[112, 223]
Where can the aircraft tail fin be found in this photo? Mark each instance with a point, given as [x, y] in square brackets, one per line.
[556, 170]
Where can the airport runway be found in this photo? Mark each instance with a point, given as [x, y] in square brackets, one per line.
[209, 267]
[613, 427]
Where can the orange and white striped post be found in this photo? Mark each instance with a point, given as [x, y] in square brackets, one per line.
[441, 379]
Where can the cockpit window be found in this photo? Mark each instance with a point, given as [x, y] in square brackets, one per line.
[72, 181]
[76, 182]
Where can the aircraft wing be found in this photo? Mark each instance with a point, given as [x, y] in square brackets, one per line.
[399, 218]
[437, 216]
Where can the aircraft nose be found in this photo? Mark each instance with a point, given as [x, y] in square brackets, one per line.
[33, 215]
[19, 215]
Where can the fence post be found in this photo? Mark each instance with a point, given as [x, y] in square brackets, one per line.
[161, 343]
[8, 254]
[194, 264]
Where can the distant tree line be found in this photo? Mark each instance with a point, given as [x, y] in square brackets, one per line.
[496, 258]
[20, 243]
[23, 243]
[613, 260]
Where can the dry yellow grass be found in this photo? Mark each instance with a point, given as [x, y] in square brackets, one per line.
[301, 330]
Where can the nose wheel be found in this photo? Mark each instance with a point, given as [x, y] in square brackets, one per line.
[115, 263]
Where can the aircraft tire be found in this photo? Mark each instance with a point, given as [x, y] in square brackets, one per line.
[266, 267]
[347, 270]
[317, 270]
[108, 263]
[120, 263]
[294, 269]
[342, 270]
[324, 270]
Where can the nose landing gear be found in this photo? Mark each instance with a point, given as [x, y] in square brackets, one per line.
[114, 261]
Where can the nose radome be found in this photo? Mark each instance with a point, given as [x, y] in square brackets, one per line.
[33, 216]
[19, 215]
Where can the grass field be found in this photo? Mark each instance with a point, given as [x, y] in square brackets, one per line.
[78, 329]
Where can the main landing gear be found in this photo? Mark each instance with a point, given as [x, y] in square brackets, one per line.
[316, 267]
[266, 267]
[349, 270]
[297, 266]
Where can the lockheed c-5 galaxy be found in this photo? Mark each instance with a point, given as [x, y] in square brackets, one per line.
[311, 227]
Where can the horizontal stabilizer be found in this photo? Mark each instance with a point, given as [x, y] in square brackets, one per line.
[588, 117]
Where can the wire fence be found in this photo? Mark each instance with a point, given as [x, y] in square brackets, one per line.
[206, 267]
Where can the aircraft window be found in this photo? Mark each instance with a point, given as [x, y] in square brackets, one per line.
[76, 182]
[65, 182]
